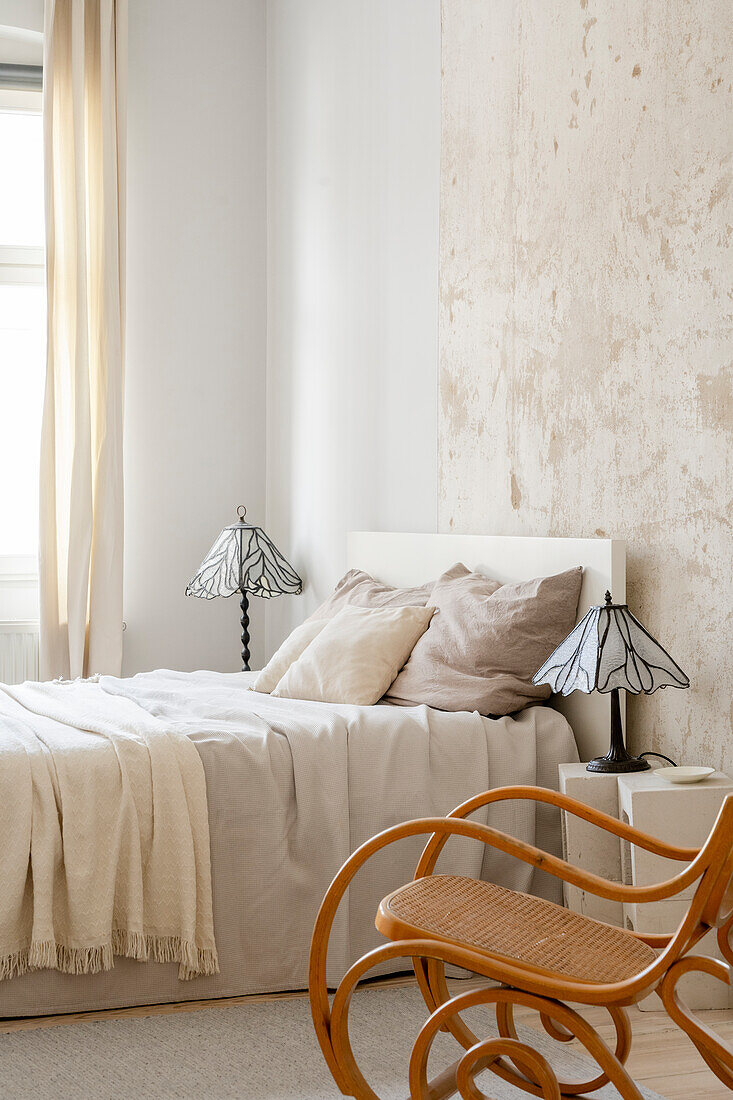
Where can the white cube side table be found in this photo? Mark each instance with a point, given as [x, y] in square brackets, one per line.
[681, 814]
[587, 846]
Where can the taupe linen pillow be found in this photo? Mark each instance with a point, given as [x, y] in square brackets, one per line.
[358, 589]
[486, 641]
[356, 656]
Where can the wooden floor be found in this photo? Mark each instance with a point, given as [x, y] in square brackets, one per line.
[662, 1058]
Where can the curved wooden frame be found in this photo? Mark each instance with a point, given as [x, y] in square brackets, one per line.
[711, 906]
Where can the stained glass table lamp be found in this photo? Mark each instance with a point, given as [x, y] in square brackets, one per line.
[243, 559]
[608, 650]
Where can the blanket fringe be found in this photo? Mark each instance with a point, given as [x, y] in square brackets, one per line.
[47, 955]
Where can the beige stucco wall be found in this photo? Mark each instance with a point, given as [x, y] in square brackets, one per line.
[585, 379]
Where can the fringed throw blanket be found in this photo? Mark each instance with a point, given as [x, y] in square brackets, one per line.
[104, 835]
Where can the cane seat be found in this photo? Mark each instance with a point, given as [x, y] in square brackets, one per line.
[513, 925]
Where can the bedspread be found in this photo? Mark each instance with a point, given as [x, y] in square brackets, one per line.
[293, 788]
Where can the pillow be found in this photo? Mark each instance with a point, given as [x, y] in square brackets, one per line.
[358, 589]
[486, 642]
[288, 652]
[356, 656]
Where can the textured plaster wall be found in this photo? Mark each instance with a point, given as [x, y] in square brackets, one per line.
[585, 322]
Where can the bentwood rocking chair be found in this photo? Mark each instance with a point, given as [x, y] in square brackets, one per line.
[544, 957]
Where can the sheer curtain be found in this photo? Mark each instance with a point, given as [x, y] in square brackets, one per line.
[81, 521]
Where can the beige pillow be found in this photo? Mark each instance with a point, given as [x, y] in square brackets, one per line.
[358, 589]
[288, 652]
[356, 656]
[486, 642]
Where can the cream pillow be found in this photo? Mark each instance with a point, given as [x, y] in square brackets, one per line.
[356, 656]
[288, 652]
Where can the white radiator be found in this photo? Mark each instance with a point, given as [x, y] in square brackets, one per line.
[18, 651]
[18, 618]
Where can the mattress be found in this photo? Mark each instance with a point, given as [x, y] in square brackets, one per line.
[293, 787]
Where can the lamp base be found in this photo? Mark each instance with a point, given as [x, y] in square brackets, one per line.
[610, 764]
[617, 760]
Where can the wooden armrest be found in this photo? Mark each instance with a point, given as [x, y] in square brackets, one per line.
[560, 868]
[578, 809]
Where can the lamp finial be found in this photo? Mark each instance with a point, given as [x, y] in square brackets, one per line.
[241, 513]
[608, 597]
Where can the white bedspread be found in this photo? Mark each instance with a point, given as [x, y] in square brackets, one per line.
[293, 787]
[315, 780]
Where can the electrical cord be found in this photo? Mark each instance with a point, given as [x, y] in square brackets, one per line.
[660, 755]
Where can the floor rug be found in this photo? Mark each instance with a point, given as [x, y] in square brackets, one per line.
[264, 1050]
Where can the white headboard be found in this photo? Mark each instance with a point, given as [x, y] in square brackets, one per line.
[405, 559]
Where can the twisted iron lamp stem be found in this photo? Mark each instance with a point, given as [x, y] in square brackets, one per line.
[244, 623]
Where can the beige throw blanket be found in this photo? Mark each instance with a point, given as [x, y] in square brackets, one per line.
[104, 835]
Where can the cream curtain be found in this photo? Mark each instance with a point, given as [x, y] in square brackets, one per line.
[81, 522]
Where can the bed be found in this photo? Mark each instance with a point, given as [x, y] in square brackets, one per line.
[292, 787]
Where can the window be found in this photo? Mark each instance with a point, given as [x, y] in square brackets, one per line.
[22, 319]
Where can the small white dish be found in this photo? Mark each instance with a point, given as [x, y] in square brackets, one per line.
[684, 774]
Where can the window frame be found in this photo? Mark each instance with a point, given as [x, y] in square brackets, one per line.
[20, 265]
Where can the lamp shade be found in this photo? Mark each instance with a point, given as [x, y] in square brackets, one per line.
[244, 559]
[610, 649]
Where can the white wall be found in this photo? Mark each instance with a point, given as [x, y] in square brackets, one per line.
[27, 14]
[354, 156]
[196, 327]
[350, 429]
[21, 32]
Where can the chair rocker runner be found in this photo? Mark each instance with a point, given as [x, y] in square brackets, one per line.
[545, 957]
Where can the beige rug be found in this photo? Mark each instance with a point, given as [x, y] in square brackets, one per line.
[258, 1051]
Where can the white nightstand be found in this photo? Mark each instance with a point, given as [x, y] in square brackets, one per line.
[680, 814]
[586, 846]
